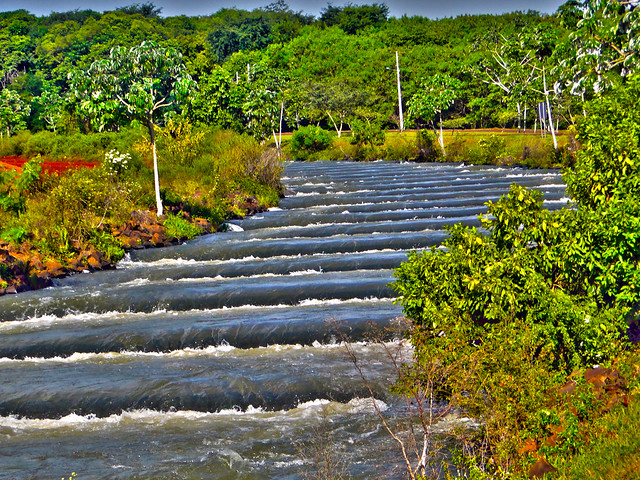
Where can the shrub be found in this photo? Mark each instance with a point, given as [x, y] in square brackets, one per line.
[514, 311]
[308, 140]
[366, 133]
[179, 228]
[399, 148]
[428, 148]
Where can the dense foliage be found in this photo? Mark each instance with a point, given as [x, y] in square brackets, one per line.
[271, 68]
[61, 215]
[514, 310]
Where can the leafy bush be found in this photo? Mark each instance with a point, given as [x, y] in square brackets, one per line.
[428, 148]
[511, 313]
[308, 140]
[179, 228]
[490, 149]
[366, 133]
[399, 148]
[15, 234]
[115, 162]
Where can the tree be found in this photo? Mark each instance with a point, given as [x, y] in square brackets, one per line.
[263, 105]
[52, 107]
[605, 46]
[147, 9]
[144, 80]
[337, 100]
[13, 112]
[436, 94]
[352, 18]
[511, 68]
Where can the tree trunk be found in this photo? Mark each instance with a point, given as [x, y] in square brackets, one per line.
[338, 130]
[444, 153]
[519, 118]
[280, 133]
[156, 179]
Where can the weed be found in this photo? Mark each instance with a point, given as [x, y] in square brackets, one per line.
[179, 228]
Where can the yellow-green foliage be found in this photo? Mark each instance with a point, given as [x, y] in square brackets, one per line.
[179, 228]
[62, 214]
[514, 310]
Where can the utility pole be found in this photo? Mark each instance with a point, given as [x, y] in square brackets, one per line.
[399, 93]
[546, 94]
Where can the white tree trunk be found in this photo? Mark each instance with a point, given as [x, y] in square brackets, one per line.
[156, 178]
[156, 181]
[444, 153]
[338, 130]
[281, 115]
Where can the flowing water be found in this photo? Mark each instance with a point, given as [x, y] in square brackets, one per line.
[221, 358]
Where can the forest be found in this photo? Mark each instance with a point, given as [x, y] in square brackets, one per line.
[272, 68]
[524, 324]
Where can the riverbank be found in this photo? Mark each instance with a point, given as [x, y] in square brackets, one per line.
[25, 267]
[497, 146]
[75, 203]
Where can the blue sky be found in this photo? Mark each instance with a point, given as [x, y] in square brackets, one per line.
[426, 8]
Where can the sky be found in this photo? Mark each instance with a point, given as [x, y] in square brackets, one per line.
[397, 8]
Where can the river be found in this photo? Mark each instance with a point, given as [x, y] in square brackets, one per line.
[221, 358]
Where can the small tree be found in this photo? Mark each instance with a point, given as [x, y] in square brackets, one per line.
[52, 107]
[436, 94]
[144, 80]
[13, 112]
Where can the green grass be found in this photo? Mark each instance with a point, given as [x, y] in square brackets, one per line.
[487, 146]
[615, 454]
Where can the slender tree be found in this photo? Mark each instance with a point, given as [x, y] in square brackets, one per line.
[437, 93]
[144, 80]
[13, 112]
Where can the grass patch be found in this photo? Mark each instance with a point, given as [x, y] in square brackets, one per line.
[490, 146]
[180, 228]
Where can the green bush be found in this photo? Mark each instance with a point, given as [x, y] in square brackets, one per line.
[399, 148]
[511, 312]
[14, 234]
[428, 148]
[368, 133]
[489, 150]
[179, 228]
[309, 140]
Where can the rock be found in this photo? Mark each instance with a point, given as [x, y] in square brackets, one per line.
[54, 269]
[140, 217]
[205, 225]
[158, 240]
[541, 468]
[11, 289]
[91, 259]
[530, 446]
[601, 377]
[39, 280]
[130, 243]
[76, 265]
[151, 229]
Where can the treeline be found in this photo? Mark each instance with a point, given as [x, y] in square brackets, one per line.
[275, 69]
